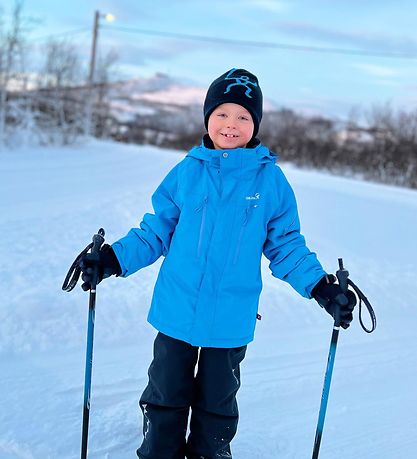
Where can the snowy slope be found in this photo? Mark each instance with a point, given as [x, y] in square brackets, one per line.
[53, 200]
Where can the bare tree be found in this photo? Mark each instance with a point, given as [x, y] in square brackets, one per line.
[60, 99]
[11, 62]
[62, 65]
[101, 112]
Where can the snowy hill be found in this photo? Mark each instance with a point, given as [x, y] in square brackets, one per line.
[147, 96]
[161, 92]
[53, 200]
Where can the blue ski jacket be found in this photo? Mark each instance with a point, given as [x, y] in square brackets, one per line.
[216, 213]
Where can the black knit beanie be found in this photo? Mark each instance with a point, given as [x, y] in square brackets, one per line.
[236, 86]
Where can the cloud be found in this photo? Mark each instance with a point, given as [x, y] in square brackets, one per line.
[377, 70]
[388, 83]
[270, 5]
[140, 52]
[411, 87]
[359, 38]
[319, 106]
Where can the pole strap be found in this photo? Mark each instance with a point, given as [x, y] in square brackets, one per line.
[74, 272]
[363, 298]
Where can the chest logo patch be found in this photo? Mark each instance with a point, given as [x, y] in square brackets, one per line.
[254, 197]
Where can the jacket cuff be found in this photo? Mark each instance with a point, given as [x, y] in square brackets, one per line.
[320, 283]
[111, 260]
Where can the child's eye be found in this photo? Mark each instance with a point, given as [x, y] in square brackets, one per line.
[244, 118]
[221, 114]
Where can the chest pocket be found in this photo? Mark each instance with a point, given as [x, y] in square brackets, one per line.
[250, 225]
[201, 209]
[192, 224]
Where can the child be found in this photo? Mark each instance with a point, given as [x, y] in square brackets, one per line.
[216, 212]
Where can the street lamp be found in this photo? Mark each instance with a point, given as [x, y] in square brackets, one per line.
[109, 17]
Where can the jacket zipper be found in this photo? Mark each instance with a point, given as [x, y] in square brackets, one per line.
[242, 230]
[201, 207]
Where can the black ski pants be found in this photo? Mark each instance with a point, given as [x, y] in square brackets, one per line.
[174, 387]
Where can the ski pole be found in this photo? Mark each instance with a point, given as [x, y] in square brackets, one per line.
[98, 240]
[342, 276]
[68, 285]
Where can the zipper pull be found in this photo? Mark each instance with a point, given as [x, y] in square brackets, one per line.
[245, 220]
[202, 205]
[247, 211]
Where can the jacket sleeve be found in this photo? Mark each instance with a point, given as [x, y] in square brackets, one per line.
[144, 245]
[285, 247]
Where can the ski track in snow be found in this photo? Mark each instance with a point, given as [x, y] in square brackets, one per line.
[54, 199]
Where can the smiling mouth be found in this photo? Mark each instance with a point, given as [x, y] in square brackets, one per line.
[230, 136]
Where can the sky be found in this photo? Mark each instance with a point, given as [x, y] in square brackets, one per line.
[334, 83]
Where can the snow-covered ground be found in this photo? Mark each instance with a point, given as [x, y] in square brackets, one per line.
[53, 200]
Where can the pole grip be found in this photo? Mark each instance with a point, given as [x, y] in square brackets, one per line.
[342, 275]
[98, 240]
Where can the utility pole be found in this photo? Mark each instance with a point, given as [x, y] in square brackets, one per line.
[93, 48]
[90, 81]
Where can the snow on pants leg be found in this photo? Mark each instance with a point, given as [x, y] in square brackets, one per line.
[166, 401]
[215, 415]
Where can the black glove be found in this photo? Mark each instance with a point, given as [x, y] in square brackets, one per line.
[331, 297]
[105, 262]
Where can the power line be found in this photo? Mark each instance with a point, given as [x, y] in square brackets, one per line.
[61, 34]
[229, 41]
[263, 44]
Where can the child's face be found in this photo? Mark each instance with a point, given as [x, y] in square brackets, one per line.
[230, 126]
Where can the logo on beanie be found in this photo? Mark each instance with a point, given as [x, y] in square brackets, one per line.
[239, 81]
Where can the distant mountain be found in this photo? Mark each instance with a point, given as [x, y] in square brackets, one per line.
[148, 96]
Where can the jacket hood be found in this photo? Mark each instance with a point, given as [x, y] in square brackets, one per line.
[255, 153]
